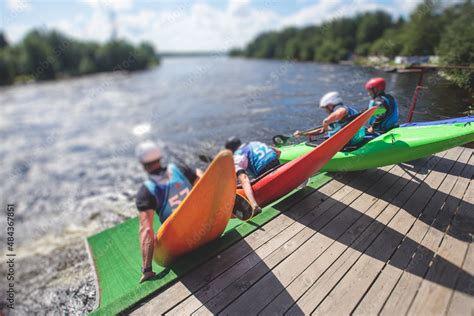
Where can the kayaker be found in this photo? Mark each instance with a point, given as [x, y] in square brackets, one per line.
[252, 159]
[386, 117]
[339, 116]
[162, 192]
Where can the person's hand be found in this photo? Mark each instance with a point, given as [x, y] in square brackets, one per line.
[320, 131]
[297, 134]
[256, 209]
[370, 130]
[147, 276]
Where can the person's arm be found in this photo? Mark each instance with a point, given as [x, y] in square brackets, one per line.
[241, 163]
[334, 117]
[199, 174]
[315, 132]
[245, 181]
[147, 238]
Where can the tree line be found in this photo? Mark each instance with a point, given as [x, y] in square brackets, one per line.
[431, 29]
[49, 54]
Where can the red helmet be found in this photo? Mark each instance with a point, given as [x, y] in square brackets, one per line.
[377, 83]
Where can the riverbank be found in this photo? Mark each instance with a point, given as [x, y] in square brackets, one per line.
[48, 55]
[452, 73]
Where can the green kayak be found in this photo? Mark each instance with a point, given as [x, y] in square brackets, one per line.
[396, 146]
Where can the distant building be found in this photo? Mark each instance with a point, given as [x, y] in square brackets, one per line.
[413, 60]
[378, 59]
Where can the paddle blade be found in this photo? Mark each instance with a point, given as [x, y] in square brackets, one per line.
[205, 158]
[280, 140]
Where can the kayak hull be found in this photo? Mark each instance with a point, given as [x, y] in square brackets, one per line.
[396, 146]
[203, 214]
[289, 176]
[464, 119]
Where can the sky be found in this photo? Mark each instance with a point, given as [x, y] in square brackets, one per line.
[178, 26]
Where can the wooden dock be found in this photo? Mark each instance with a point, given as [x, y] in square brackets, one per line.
[395, 240]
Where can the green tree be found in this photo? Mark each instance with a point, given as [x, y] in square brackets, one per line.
[7, 67]
[422, 33]
[331, 51]
[147, 53]
[389, 45]
[292, 49]
[40, 61]
[234, 52]
[264, 46]
[457, 47]
[371, 26]
[3, 40]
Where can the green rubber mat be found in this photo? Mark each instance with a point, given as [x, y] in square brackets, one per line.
[116, 254]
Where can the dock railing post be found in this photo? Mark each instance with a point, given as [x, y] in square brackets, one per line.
[415, 96]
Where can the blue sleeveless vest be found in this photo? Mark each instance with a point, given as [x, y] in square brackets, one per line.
[389, 119]
[259, 156]
[169, 190]
[336, 126]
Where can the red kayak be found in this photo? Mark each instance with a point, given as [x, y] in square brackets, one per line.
[289, 176]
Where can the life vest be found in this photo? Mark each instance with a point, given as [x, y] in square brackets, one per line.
[259, 155]
[388, 120]
[169, 190]
[336, 126]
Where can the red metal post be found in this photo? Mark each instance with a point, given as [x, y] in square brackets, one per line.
[415, 96]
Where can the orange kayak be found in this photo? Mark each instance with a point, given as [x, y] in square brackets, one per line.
[203, 214]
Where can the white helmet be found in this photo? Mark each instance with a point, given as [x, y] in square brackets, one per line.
[330, 98]
[147, 152]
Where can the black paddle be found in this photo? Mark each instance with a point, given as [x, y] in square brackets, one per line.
[281, 140]
[205, 158]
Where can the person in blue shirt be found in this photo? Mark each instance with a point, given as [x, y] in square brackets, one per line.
[252, 160]
[386, 117]
[162, 192]
[339, 115]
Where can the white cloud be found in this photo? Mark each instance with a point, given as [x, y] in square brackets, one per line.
[326, 10]
[199, 26]
[116, 5]
[18, 5]
[405, 7]
[238, 6]
[17, 31]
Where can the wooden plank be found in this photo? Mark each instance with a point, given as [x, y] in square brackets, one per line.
[301, 284]
[462, 302]
[365, 270]
[408, 284]
[201, 276]
[375, 298]
[275, 282]
[376, 241]
[216, 266]
[434, 293]
[310, 224]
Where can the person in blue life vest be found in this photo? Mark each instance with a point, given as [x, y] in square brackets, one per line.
[252, 160]
[162, 192]
[386, 116]
[339, 115]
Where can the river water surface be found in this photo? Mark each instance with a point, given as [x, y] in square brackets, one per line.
[67, 146]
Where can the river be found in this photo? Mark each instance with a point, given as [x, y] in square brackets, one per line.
[67, 146]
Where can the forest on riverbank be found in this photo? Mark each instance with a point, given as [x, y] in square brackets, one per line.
[432, 29]
[49, 54]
